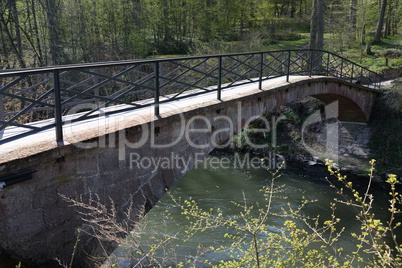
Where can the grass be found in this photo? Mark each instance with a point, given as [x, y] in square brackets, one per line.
[255, 42]
[376, 62]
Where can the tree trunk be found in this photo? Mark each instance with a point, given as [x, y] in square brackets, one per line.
[320, 36]
[392, 18]
[386, 28]
[14, 12]
[313, 26]
[317, 34]
[36, 33]
[11, 40]
[368, 49]
[395, 18]
[166, 22]
[353, 19]
[51, 8]
[380, 24]
[4, 50]
[320, 24]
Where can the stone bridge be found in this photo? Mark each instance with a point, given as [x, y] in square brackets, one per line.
[135, 155]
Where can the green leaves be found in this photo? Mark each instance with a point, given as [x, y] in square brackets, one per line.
[254, 243]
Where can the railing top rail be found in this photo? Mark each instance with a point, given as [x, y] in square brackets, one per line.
[13, 72]
[33, 95]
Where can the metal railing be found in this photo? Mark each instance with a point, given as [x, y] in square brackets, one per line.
[36, 99]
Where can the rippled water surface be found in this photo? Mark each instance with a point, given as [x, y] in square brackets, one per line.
[216, 187]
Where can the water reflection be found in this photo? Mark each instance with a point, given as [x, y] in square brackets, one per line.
[216, 187]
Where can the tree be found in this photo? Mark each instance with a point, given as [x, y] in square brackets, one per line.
[317, 25]
[313, 26]
[52, 9]
[34, 30]
[317, 33]
[393, 18]
[353, 19]
[10, 23]
[320, 24]
[380, 24]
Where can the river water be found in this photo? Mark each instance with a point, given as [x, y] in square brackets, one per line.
[223, 177]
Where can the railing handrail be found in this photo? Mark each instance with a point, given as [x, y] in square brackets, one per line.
[46, 92]
[6, 73]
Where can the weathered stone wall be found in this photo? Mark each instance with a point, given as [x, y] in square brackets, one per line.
[37, 224]
[354, 139]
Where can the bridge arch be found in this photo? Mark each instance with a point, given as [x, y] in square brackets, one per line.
[140, 160]
[353, 104]
[126, 159]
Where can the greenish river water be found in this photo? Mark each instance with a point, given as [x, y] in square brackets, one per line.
[215, 185]
[224, 177]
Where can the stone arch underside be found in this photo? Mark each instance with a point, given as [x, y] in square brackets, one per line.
[348, 109]
[355, 103]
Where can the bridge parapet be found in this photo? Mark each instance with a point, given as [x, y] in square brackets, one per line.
[37, 99]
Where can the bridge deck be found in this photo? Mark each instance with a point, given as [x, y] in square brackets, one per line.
[91, 128]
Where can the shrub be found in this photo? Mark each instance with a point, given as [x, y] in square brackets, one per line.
[256, 244]
[392, 53]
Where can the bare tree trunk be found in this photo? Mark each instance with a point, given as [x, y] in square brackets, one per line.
[2, 117]
[368, 49]
[313, 26]
[387, 27]
[380, 24]
[353, 19]
[320, 36]
[395, 18]
[317, 34]
[4, 50]
[320, 24]
[14, 12]
[36, 33]
[168, 37]
[50, 7]
[11, 40]
[392, 18]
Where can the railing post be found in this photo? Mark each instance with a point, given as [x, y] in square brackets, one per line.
[288, 67]
[96, 90]
[353, 70]
[379, 80]
[156, 100]
[219, 77]
[341, 68]
[328, 64]
[261, 69]
[57, 108]
[311, 64]
[2, 117]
